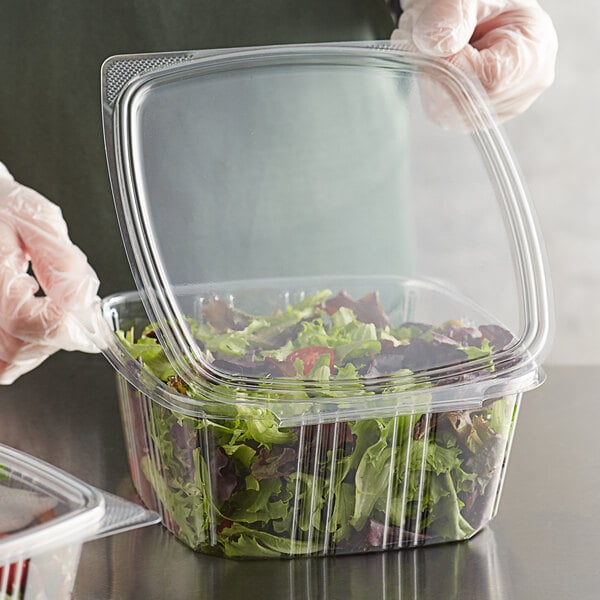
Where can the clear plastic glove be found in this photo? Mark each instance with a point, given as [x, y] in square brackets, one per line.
[510, 45]
[32, 231]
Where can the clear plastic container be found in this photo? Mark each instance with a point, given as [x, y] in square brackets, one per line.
[358, 473]
[341, 296]
[45, 517]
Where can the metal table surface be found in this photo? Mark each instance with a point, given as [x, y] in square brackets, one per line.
[544, 543]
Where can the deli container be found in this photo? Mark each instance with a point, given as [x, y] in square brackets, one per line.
[341, 297]
[45, 517]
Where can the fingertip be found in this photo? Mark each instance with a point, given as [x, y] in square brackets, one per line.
[444, 29]
[5, 173]
[11, 371]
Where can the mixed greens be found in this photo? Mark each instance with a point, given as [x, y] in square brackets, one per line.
[242, 486]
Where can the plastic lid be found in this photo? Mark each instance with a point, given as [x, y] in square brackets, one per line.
[321, 177]
[42, 508]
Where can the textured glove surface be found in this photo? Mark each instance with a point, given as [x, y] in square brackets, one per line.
[36, 252]
[510, 45]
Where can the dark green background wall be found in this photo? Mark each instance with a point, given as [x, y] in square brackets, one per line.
[50, 118]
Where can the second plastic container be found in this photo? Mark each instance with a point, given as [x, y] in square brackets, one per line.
[45, 517]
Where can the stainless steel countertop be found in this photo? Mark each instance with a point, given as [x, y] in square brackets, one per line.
[544, 543]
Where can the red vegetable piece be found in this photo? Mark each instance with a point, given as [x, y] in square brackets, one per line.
[309, 357]
[13, 583]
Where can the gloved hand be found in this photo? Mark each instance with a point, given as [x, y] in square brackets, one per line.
[510, 45]
[34, 327]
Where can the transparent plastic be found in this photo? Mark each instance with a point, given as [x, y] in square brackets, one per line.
[243, 485]
[316, 161]
[341, 296]
[45, 517]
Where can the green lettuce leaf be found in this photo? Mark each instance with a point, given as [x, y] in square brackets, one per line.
[243, 542]
[150, 351]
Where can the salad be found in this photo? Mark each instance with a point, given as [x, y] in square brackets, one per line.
[236, 483]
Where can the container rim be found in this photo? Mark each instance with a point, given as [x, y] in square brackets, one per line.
[520, 377]
[73, 527]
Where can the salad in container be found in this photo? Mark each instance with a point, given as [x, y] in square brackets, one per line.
[341, 297]
[45, 517]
